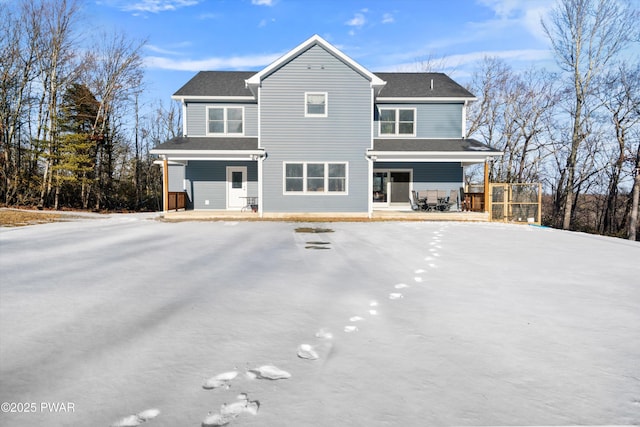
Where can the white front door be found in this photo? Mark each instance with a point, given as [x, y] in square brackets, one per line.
[236, 187]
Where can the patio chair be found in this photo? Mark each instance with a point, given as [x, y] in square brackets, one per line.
[453, 200]
[464, 201]
[416, 202]
[432, 199]
[442, 200]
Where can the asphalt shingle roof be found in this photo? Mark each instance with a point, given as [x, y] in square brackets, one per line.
[399, 85]
[431, 145]
[209, 143]
[418, 85]
[217, 83]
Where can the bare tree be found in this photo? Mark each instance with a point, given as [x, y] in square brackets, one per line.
[585, 36]
[620, 96]
[19, 41]
[513, 114]
[54, 57]
[635, 198]
[114, 73]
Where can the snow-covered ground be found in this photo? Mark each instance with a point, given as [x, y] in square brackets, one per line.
[127, 320]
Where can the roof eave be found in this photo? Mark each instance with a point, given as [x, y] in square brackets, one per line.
[168, 151]
[426, 99]
[196, 98]
[433, 156]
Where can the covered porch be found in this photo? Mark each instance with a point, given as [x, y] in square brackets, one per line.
[210, 173]
[404, 171]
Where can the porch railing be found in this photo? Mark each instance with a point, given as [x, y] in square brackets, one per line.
[177, 200]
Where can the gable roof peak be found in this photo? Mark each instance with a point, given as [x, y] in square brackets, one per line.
[255, 80]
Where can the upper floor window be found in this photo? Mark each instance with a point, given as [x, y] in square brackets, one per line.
[225, 120]
[317, 178]
[397, 121]
[315, 104]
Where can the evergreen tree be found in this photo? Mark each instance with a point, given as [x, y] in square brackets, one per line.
[75, 165]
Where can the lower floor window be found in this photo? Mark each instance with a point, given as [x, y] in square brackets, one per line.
[315, 177]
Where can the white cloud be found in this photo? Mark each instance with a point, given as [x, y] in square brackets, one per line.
[172, 49]
[262, 2]
[526, 55]
[157, 49]
[517, 13]
[387, 18]
[357, 21]
[465, 61]
[155, 6]
[215, 63]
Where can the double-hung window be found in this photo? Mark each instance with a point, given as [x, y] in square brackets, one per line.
[315, 104]
[397, 121]
[315, 178]
[225, 121]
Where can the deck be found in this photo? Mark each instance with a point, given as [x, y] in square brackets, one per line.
[378, 215]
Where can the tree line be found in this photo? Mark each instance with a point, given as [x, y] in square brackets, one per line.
[577, 130]
[72, 133]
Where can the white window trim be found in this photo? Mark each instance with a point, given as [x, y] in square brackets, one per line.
[397, 134]
[225, 133]
[326, 104]
[304, 191]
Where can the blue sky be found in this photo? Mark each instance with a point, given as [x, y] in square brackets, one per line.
[185, 36]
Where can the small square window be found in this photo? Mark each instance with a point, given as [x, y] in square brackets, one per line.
[315, 104]
[397, 122]
[225, 120]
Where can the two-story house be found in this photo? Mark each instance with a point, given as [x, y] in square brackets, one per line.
[317, 132]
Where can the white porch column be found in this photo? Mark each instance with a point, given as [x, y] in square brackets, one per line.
[165, 184]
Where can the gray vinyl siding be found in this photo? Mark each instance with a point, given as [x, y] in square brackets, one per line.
[207, 180]
[197, 118]
[289, 136]
[176, 178]
[438, 120]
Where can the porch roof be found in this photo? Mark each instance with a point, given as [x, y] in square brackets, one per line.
[209, 148]
[431, 150]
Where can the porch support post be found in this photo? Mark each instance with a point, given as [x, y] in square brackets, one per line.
[486, 185]
[370, 187]
[165, 184]
[260, 190]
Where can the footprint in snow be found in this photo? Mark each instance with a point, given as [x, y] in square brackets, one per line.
[268, 372]
[355, 319]
[417, 279]
[231, 411]
[306, 351]
[351, 328]
[220, 380]
[395, 295]
[324, 334]
[401, 285]
[136, 420]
